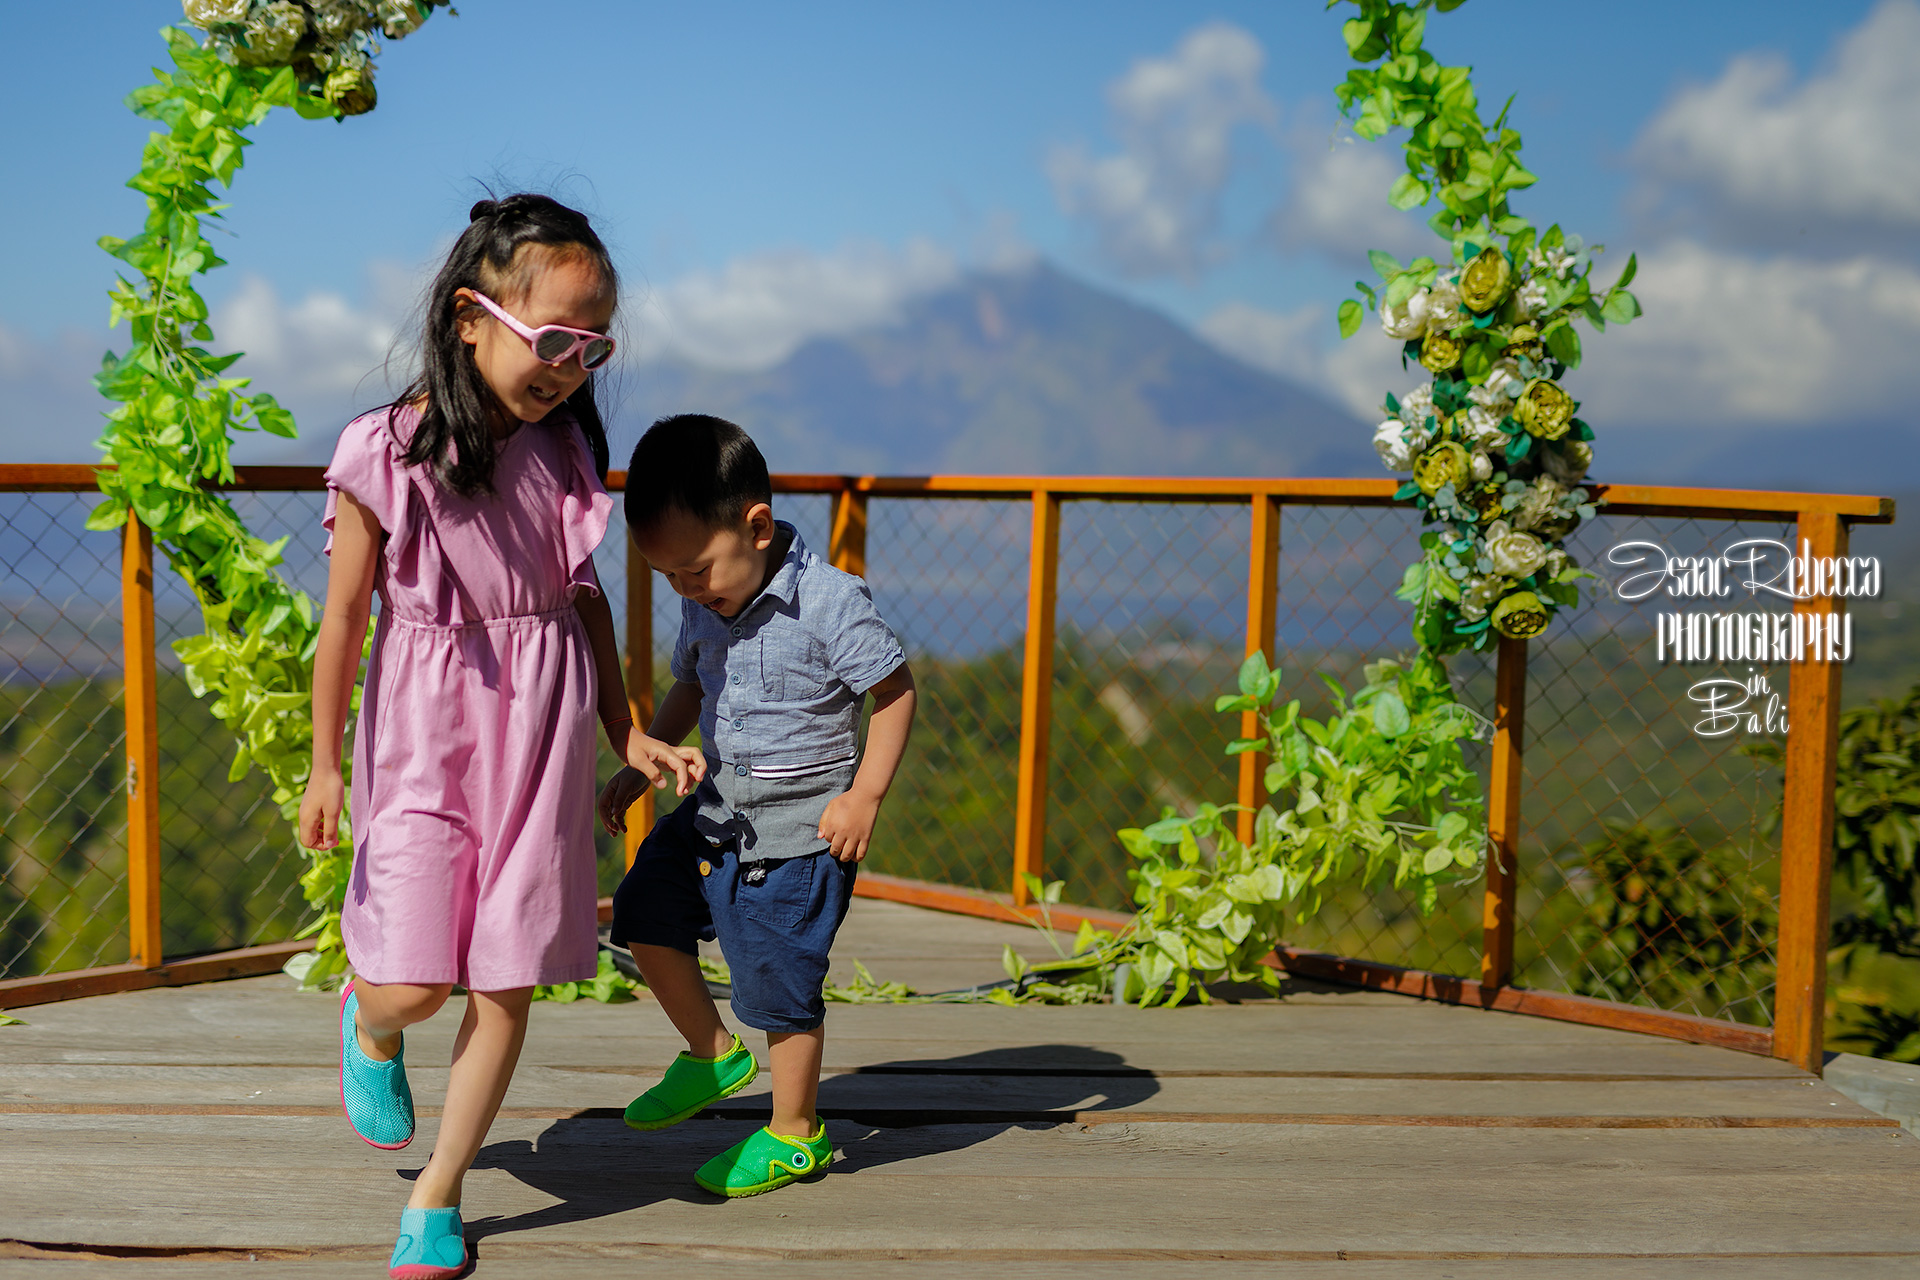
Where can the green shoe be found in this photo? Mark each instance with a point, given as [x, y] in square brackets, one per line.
[692, 1084]
[764, 1160]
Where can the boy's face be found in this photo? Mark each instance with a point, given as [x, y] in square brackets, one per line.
[721, 569]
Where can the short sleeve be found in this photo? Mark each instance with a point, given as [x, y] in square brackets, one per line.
[585, 511]
[861, 648]
[685, 662]
[366, 463]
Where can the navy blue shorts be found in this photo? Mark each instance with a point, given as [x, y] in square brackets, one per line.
[775, 934]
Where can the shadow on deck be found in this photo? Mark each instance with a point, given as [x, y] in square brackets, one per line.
[172, 1132]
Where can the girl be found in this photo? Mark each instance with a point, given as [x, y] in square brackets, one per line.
[472, 504]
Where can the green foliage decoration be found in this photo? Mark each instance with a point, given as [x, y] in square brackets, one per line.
[170, 436]
[1378, 793]
[1494, 445]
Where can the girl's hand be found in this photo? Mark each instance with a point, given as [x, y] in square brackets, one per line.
[320, 811]
[653, 758]
[622, 789]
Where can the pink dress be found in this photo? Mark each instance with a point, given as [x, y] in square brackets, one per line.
[474, 758]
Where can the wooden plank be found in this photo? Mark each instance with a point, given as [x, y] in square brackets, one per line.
[1806, 827]
[1263, 605]
[1503, 814]
[639, 678]
[847, 542]
[143, 744]
[1541, 1004]
[1737, 504]
[247, 962]
[1036, 694]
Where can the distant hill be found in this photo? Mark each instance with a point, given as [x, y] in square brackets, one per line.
[1012, 373]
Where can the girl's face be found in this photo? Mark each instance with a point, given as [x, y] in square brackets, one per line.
[563, 290]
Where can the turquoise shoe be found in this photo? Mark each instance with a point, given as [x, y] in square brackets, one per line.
[432, 1245]
[378, 1103]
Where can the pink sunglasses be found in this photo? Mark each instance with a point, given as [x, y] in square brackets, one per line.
[553, 343]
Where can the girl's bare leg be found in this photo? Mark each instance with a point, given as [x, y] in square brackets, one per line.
[388, 1009]
[484, 1056]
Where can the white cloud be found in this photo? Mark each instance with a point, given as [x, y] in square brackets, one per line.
[1731, 339]
[755, 311]
[1769, 159]
[320, 349]
[1154, 206]
[1337, 201]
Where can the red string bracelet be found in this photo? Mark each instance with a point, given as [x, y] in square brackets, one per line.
[618, 746]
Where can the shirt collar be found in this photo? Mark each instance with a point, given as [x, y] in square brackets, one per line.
[785, 584]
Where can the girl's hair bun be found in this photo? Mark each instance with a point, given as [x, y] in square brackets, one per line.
[482, 209]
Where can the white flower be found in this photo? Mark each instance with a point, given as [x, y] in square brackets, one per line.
[1479, 595]
[1483, 428]
[1513, 553]
[1415, 408]
[1568, 464]
[1481, 468]
[1443, 305]
[1390, 442]
[1408, 320]
[1554, 260]
[1540, 503]
[1530, 297]
[1558, 562]
[206, 13]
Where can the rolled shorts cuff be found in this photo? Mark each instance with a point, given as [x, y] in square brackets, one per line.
[778, 1023]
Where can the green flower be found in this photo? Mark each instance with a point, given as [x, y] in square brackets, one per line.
[351, 89]
[1544, 409]
[336, 20]
[1520, 615]
[1485, 281]
[1439, 351]
[207, 14]
[273, 33]
[400, 18]
[1444, 464]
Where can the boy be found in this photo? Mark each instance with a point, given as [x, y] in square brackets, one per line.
[776, 654]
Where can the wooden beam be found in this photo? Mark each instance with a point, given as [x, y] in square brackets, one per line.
[847, 543]
[639, 678]
[247, 962]
[1806, 828]
[1539, 1004]
[143, 744]
[1263, 606]
[981, 904]
[1503, 814]
[1036, 694]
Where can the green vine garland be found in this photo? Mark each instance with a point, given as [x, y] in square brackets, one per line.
[1493, 443]
[171, 434]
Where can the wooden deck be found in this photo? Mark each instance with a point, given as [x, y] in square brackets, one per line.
[173, 1133]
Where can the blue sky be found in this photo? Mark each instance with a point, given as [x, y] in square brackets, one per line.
[842, 151]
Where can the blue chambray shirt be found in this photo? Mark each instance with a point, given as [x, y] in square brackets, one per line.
[782, 682]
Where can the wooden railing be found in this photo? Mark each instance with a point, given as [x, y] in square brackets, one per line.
[1806, 850]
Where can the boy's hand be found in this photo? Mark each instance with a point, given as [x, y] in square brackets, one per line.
[320, 811]
[847, 825]
[653, 758]
[622, 789]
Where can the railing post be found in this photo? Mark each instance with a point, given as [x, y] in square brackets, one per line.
[1036, 693]
[847, 544]
[1503, 814]
[1263, 605]
[1806, 827]
[639, 681]
[143, 745]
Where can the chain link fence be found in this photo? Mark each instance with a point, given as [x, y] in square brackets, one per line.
[1648, 870]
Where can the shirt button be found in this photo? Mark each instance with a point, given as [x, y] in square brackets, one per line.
[740, 813]
[740, 723]
[706, 868]
[740, 769]
[738, 631]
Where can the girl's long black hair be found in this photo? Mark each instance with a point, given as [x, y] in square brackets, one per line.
[458, 409]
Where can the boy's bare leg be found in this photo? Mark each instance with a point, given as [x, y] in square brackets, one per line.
[675, 980]
[796, 1056]
[484, 1056]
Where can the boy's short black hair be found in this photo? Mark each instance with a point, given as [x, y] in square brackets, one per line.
[698, 464]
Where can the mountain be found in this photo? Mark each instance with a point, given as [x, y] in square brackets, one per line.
[1031, 372]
